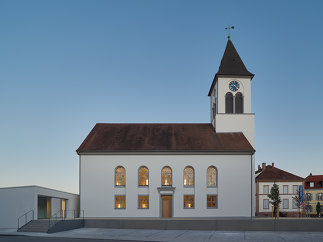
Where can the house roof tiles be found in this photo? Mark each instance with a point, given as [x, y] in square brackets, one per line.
[271, 173]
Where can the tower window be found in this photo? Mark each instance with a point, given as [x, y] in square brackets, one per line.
[229, 103]
[238, 99]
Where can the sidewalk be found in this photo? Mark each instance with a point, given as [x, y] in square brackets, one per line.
[176, 235]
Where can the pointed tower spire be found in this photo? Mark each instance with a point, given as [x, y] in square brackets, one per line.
[231, 63]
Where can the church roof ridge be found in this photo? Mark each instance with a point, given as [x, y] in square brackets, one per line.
[157, 137]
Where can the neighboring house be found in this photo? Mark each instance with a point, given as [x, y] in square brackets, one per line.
[288, 185]
[179, 169]
[33, 202]
[313, 192]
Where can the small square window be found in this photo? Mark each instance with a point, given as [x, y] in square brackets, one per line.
[120, 202]
[285, 203]
[188, 201]
[143, 201]
[266, 203]
[212, 201]
[311, 184]
[266, 189]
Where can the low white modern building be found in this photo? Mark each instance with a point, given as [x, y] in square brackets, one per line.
[288, 184]
[176, 170]
[33, 202]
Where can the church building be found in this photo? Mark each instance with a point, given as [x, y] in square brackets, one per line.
[176, 169]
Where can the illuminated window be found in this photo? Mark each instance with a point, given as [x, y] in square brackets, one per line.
[120, 201]
[120, 176]
[211, 176]
[166, 176]
[188, 201]
[211, 201]
[189, 176]
[143, 201]
[143, 176]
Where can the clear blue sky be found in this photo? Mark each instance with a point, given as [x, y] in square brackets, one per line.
[66, 65]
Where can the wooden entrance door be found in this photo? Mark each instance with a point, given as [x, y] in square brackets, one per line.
[166, 206]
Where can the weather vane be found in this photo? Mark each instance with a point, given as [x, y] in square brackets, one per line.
[229, 28]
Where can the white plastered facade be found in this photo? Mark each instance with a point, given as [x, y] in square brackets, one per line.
[283, 195]
[16, 201]
[233, 190]
[235, 122]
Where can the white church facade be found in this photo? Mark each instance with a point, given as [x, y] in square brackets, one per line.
[176, 169]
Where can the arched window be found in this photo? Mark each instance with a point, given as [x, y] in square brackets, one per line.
[229, 103]
[211, 176]
[189, 176]
[143, 176]
[166, 176]
[238, 103]
[120, 176]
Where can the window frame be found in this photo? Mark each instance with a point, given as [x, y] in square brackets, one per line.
[143, 195]
[284, 203]
[189, 195]
[226, 96]
[115, 201]
[171, 175]
[263, 203]
[284, 186]
[193, 176]
[267, 186]
[115, 177]
[294, 204]
[294, 189]
[216, 201]
[216, 177]
[235, 102]
[142, 167]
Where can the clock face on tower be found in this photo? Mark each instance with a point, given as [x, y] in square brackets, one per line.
[234, 86]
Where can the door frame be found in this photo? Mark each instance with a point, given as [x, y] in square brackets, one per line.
[161, 205]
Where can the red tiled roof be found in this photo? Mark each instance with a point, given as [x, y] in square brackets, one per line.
[317, 179]
[271, 173]
[107, 137]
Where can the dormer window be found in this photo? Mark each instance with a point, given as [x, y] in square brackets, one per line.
[311, 184]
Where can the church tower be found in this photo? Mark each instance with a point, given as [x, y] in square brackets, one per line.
[230, 96]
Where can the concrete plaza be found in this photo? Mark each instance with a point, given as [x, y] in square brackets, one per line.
[175, 235]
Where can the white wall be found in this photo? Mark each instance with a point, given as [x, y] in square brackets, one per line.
[97, 188]
[15, 201]
[237, 123]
